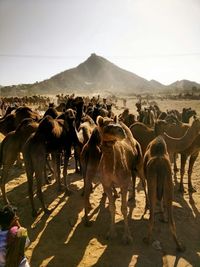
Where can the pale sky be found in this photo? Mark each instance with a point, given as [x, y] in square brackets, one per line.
[155, 39]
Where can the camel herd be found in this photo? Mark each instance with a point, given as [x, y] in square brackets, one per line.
[118, 149]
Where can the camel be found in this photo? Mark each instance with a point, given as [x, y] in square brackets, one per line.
[158, 173]
[176, 130]
[143, 134]
[90, 158]
[11, 121]
[193, 152]
[177, 145]
[120, 162]
[127, 118]
[11, 146]
[52, 136]
[84, 132]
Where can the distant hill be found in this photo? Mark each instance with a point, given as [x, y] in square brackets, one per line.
[184, 85]
[96, 74]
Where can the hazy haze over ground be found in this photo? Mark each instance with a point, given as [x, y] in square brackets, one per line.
[156, 39]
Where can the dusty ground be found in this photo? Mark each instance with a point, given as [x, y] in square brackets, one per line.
[62, 240]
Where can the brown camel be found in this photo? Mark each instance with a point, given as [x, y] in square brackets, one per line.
[90, 158]
[84, 132]
[177, 145]
[143, 134]
[120, 162]
[11, 146]
[157, 169]
[193, 152]
[53, 136]
[11, 121]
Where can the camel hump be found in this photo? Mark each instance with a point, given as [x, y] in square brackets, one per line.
[158, 147]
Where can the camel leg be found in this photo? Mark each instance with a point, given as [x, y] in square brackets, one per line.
[179, 246]
[66, 179]
[132, 197]
[38, 176]
[112, 232]
[127, 238]
[19, 161]
[4, 174]
[56, 169]
[152, 187]
[87, 191]
[30, 191]
[191, 164]
[175, 164]
[142, 177]
[183, 162]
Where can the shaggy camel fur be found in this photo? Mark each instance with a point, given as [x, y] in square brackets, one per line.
[157, 169]
[120, 161]
[53, 136]
[11, 121]
[11, 146]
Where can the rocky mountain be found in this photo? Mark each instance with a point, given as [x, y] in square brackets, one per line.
[95, 75]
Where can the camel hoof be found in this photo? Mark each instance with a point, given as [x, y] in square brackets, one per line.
[146, 240]
[191, 189]
[127, 239]
[180, 248]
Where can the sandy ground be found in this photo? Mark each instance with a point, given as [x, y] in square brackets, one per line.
[62, 240]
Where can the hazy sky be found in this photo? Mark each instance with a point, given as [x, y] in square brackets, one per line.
[155, 39]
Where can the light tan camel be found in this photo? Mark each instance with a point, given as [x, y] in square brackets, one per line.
[121, 160]
[157, 169]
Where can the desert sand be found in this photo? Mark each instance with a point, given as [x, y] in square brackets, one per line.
[62, 240]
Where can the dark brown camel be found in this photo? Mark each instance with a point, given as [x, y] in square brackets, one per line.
[193, 152]
[11, 121]
[11, 146]
[53, 136]
[157, 169]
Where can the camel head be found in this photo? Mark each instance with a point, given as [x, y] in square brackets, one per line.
[110, 130]
[113, 132]
[70, 115]
[196, 124]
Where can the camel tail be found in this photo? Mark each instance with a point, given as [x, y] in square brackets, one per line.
[159, 168]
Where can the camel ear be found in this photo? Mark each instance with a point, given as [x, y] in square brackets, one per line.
[100, 121]
[116, 120]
